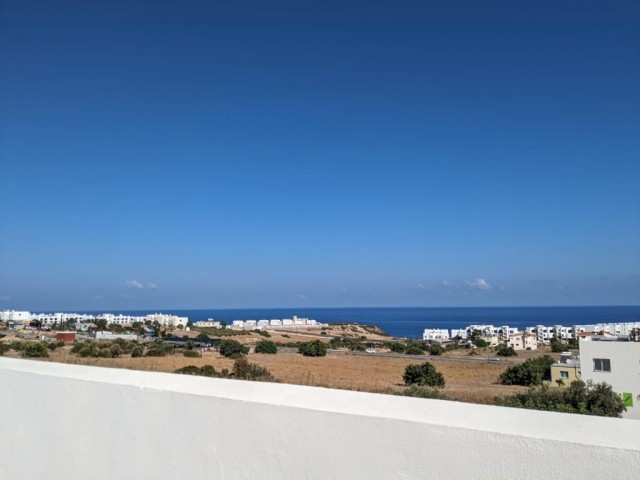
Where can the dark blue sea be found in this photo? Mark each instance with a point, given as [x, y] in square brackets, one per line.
[411, 321]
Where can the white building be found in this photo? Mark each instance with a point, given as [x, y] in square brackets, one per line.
[616, 362]
[435, 334]
[15, 316]
[210, 323]
[523, 341]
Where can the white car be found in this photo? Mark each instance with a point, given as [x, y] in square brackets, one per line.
[370, 350]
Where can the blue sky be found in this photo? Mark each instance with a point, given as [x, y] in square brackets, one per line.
[203, 154]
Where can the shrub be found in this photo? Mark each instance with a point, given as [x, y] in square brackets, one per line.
[52, 345]
[244, 370]
[504, 351]
[60, 343]
[315, 348]
[262, 333]
[530, 372]
[266, 346]
[115, 351]
[584, 398]
[17, 345]
[422, 391]
[189, 370]
[158, 349]
[35, 350]
[397, 347]
[137, 351]
[232, 348]
[436, 349]
[413, 350]
[4, 348]
[424, 374]
[191, 353]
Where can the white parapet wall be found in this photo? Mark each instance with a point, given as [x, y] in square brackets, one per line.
[71, 422]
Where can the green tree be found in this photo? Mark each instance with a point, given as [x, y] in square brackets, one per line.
[101, 324]
[4, 348]
[413, 349]
[436, 349]
[266, 346]
[424, 374]
[315, 348]
[530, 372]
[231, 348]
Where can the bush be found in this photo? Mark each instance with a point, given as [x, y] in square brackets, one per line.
[584, 398]
[191, 353]
[115, 351]
[232, 348]
[137, 351]
[52, 345]
[60, 343]
[158, 349]
[422, 391]
[4, 348]
[313, 349]
[397, 347]
[262, 333]
[244, 370]
[557, 346]
[530, 372]
[504, 351]
[266, 346]
[413, 350]
[34, 350]
[436, 349]
[424, 374]
[17, 345]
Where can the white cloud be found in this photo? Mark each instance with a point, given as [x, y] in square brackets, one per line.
[479, 283]
[134, 284]
[420, 285]
[444, 283]
[152, 285]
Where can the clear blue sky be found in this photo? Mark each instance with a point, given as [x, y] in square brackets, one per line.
[202, 154]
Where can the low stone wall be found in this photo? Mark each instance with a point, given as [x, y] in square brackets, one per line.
[75, 422]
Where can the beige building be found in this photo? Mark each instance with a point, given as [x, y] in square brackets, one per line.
[567, 370]
[523, 341]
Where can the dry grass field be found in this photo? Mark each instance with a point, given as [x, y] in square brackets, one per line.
[466, 381]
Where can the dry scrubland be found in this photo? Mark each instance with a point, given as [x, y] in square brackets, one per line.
[466, 381]
[470, 382]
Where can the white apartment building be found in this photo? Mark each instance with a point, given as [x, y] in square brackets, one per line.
[435, 334]
[15, 316]
[616, 362]
[167, 320]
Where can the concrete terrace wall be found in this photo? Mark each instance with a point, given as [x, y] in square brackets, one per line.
[74, 422]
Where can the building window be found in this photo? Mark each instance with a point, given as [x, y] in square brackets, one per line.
[564, 374]
[601, 365]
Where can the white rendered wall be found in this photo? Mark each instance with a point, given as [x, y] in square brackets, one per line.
[73, 422]
[625, 368]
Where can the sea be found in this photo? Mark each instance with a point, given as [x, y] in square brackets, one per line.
[410, 322]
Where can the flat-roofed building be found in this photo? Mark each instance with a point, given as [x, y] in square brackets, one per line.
[616, 361]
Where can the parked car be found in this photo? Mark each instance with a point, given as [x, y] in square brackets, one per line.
[494, 359]
[370, 350]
